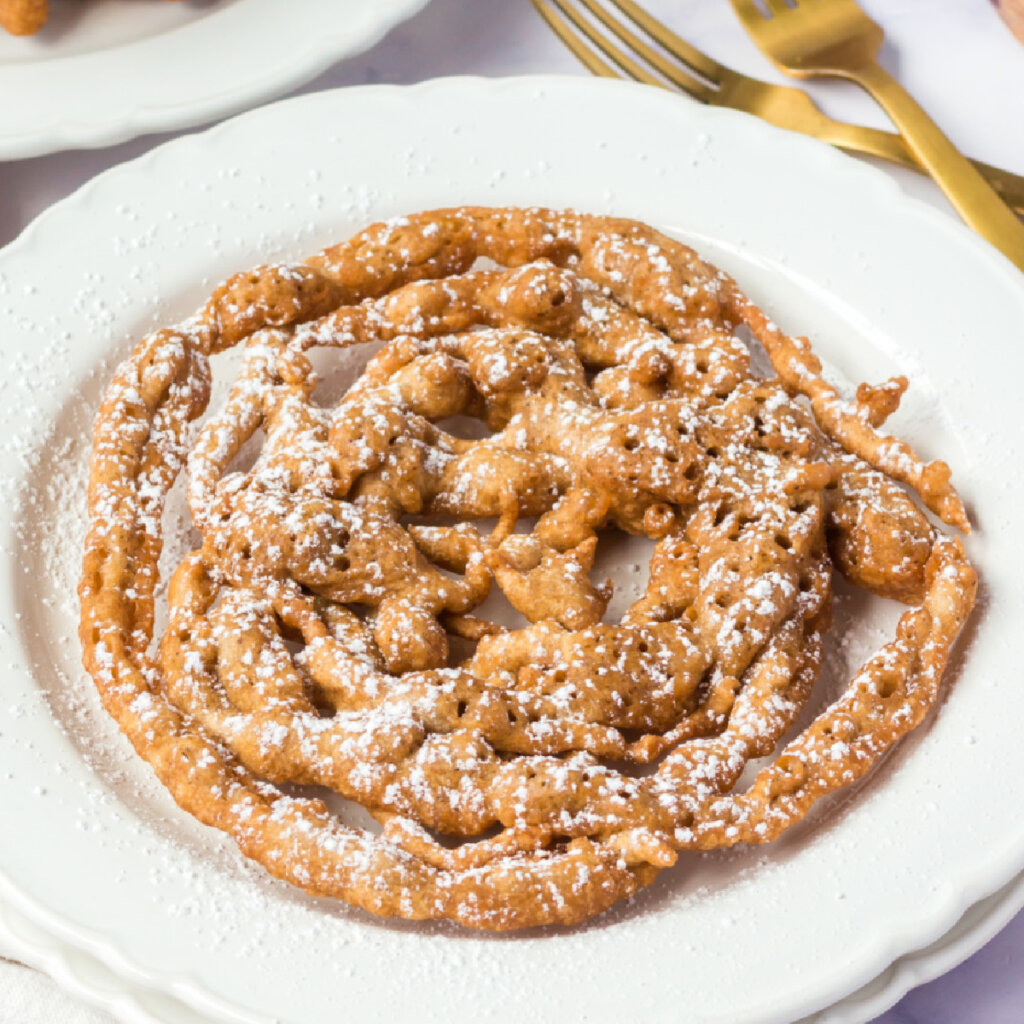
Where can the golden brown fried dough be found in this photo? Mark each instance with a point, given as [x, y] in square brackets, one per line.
[23, 17]
[308, 635]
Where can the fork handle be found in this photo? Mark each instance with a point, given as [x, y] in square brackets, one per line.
[965, 188]
[889, 146]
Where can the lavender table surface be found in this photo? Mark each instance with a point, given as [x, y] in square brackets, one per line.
[955, 56]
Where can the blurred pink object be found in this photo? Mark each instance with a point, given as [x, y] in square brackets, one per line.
[1013, 14]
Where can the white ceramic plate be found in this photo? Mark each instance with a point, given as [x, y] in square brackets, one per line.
[102, 71]
[84, 976]
[100, 858]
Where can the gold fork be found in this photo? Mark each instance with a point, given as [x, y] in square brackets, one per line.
[781, 105]
[836, 38]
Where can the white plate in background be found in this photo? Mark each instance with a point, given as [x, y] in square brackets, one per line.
[103, 71]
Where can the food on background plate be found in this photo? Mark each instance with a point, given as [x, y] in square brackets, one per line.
[23, 17]
[1013, 14]
[314, 636]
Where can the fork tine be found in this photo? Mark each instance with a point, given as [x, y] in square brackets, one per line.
[605, 45]
[678, 47]
[748, 12]
[579, 49]
[777, 6]
[676, 75]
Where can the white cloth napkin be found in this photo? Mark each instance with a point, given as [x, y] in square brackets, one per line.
[29, 997]
[955, 56]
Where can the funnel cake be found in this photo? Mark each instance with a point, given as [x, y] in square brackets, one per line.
[310, 634]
